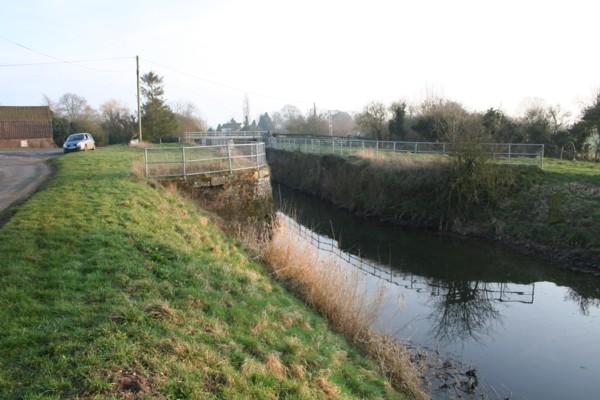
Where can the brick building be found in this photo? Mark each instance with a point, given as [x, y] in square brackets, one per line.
[26, 127]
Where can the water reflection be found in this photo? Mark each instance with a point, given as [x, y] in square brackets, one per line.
[461, 309]
[529, 327]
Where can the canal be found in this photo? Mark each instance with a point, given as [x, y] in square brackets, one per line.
[530, 329]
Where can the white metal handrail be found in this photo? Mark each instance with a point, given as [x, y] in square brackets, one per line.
[510, 153]
[172, 162]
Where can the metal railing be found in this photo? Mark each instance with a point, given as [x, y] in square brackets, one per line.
[240, 134]
[507, 153]
[172, 162]
[501, 292]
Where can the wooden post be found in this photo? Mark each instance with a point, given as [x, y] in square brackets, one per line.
[139, 114]
[146, 161]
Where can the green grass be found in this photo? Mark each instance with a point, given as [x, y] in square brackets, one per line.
[110, 288]
[559, 208]
[563, 171]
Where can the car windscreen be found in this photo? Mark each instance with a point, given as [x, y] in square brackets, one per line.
[74, 138]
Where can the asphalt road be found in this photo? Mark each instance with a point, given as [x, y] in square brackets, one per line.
[21, 173]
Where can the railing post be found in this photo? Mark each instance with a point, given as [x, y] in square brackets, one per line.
[146, 161]
[229, 156]
[257, 160]
[543, 148]
[183, 159]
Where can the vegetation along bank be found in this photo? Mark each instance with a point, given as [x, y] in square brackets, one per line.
[112, 288]
[554, 212]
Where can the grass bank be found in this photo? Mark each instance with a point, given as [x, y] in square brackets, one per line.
[553, 212]
[110, 288]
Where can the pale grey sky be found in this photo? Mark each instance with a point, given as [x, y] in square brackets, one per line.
[339, 54]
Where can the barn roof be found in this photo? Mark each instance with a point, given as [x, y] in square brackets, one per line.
[25, 113]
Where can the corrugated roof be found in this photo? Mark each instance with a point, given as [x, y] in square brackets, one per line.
[25, 113]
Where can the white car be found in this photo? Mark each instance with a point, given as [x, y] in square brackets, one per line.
[79, 141]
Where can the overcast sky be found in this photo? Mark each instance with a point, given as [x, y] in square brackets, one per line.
[338, 54]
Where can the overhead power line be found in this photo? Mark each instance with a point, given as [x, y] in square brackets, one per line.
[224, 85]
[58, 59]
[67, 62]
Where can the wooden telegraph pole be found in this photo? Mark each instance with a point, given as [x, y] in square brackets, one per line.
[139, 114]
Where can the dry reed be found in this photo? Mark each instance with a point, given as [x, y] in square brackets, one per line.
[338, 295]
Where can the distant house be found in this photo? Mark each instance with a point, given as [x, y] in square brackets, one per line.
[230, 126]
[26, 126]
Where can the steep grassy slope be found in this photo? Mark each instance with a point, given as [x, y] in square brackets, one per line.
[110, 288]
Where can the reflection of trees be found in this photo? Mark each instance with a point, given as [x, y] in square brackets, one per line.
[462, 310]
[584, 302]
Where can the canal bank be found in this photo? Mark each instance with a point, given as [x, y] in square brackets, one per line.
[529, 328]
[550, 213]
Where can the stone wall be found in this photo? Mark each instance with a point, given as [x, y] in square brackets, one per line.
[238, 195]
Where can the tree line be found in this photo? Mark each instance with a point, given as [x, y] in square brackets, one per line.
[113, 122]
[442, 120]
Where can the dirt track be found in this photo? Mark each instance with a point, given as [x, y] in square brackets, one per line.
[21, 173]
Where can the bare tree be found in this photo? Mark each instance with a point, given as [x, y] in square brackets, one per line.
[373, 120]
[188, 117]
[73, 107]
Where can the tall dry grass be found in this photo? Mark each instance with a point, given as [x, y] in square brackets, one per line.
[338, 294]
[401, 160]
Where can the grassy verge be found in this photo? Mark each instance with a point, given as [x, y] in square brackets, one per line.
[553, 212]
[112, 289]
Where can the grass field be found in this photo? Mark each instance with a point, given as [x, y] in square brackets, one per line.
[110, 288]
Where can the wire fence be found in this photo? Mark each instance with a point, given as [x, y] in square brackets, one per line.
[497, 291]
[170, 162]
[506, 153]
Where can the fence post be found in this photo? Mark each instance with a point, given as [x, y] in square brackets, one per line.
[543, 147]
[229, 156]
[394, 147]
[416, 147]
[509, 151]
[146, 161]
[376, 148]
[183, 158]
[257, 160]
[444, 148]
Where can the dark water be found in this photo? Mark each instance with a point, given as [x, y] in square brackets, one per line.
[530, 328]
